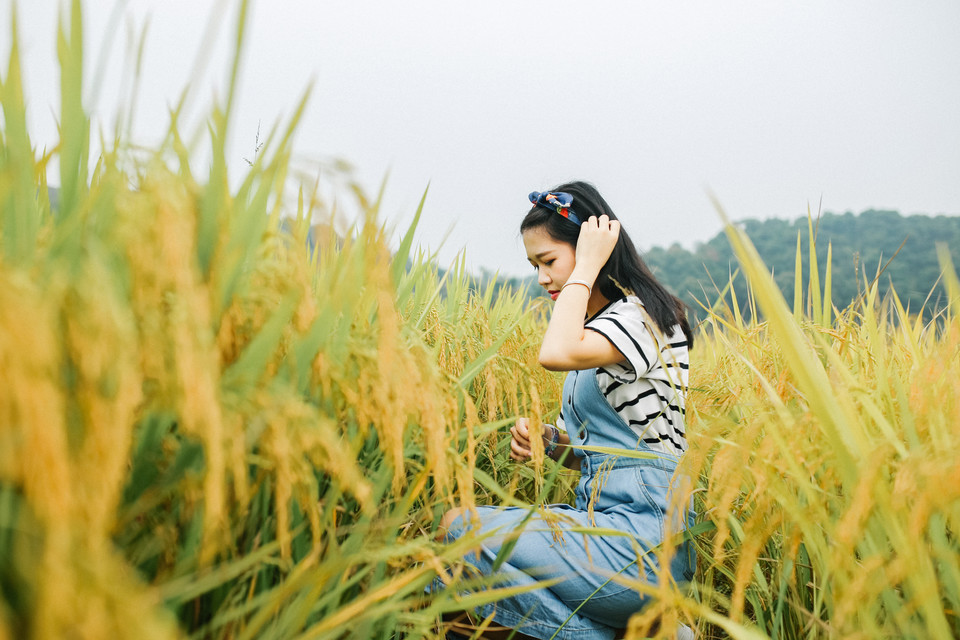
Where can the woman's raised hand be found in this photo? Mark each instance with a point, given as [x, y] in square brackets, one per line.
[520, 440]
[598, 237]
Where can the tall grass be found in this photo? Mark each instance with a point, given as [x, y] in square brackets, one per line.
[210, 427]
[828, 452]
[214, 424]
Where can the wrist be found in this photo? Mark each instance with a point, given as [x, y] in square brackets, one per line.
[575, 282]
[583, 274]
[551, 438]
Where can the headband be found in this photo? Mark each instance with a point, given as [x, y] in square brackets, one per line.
[559, 201]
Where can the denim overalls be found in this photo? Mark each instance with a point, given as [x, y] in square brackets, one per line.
[629, 496]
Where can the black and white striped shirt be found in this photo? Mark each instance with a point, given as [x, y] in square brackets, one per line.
[647, 391]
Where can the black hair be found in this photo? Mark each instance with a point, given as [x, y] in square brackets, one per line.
[624, 270]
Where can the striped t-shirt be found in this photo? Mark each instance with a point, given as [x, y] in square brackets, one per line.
[647, 391]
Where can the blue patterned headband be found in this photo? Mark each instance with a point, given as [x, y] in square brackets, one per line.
[558, 201]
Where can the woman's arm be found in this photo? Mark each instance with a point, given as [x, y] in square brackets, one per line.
[566, 344]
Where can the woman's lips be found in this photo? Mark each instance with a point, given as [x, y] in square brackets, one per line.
[554, 294]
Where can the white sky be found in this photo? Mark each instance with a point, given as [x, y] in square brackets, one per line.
[769, 105]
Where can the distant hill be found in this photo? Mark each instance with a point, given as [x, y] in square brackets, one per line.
[861, 245]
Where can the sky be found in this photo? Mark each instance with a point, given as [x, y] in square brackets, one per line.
[770, 108]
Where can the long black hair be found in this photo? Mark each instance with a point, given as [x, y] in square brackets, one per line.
[624, 270]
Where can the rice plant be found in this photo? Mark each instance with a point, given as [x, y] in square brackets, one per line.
[211, 427]
[827, 454]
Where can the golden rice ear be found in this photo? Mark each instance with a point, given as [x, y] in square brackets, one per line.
[625, 291]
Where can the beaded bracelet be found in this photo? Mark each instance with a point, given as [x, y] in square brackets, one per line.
[583, 282]
[551, 446]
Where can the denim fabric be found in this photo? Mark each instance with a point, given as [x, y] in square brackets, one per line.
[628, 495]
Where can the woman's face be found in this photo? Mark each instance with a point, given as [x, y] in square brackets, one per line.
[553, 260]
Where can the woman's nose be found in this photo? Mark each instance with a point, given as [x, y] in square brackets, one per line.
[542, 277]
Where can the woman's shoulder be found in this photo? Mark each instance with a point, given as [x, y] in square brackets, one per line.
[630, 316]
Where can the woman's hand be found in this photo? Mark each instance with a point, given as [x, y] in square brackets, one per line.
[598, 237]
[520, 444]
[520, 440]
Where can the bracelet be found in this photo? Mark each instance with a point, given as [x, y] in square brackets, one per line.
[583, 282]
[551, 446]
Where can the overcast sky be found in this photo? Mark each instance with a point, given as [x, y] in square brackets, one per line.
[770, 106]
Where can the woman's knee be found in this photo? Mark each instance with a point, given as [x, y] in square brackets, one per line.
[448, 518]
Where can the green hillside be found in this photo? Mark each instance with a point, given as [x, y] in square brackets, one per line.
[902, 249]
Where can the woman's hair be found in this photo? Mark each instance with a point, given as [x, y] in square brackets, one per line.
[624, 270]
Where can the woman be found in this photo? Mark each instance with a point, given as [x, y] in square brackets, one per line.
[623, 338]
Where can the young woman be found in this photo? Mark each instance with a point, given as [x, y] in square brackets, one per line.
[623, 338]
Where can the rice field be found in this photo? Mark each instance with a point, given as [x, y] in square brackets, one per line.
[217, 422]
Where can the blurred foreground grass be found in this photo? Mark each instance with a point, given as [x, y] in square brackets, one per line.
[211, 427]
